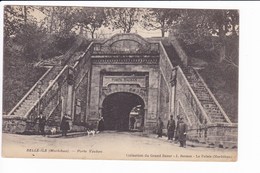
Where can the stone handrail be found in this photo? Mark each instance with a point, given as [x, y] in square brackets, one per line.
[87, 51]
[163, 52]
[29, 92]
[194, 96]
[82, 62]
[45, 97]
[45, 93]
[165, 59]
[213, 97]
[72, 50]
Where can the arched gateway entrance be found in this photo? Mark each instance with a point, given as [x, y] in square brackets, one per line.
[123, 111]
[124, 83]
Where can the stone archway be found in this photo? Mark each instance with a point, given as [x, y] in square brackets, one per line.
[116, 109]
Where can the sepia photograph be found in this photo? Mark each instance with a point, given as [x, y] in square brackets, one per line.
[120, 83]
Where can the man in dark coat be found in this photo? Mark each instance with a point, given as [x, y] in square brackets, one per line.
[170, 128]
[177, 129]
[64, 125]
[159, 127]
[101, 125]
[42, 122]
[132, 123]
[182, 132]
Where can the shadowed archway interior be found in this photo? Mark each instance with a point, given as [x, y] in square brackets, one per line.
[116, 110]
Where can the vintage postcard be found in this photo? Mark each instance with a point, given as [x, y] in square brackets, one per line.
[120, 83]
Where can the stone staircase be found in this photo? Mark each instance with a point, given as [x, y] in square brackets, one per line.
[204, 95]
[32, 96]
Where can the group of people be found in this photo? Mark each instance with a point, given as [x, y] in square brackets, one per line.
[174, 130]
[177, 130]
[64, 125]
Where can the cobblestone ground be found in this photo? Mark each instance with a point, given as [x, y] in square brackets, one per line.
[109, 145]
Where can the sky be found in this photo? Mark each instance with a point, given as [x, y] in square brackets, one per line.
[106, 32]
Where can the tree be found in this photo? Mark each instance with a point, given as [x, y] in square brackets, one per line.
[58, 20]
[211, 29]
[122, 18]
[162, 19]
[90, 19]
[13, 20]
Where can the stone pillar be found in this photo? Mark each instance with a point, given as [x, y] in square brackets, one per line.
[62, 106]
[173, 92]
[95, 93]
[172, 100]
[69, 101]
[69, 106]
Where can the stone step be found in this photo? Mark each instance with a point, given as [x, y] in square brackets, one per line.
[214, 110]
[208, 104]
[204, 99]
[216, 116]
[189, 74]
[199, 88]
[22, 110]
[209, 111]
[193, 80]
[218, 120]
[20, 113]
[26, 105]
[35, 92]
[29, 101]
[203, 96]
[33, 97]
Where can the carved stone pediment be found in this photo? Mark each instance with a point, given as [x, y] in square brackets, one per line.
[126, 44]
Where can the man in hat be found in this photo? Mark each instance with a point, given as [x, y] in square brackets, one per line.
[182, 131]
[101, 124]
[177, 129]
[170, 128]
[42, 122]
[64, 125]
[159, 127]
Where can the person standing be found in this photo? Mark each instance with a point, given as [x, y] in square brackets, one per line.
[101, 124]
[177, 129]
[182, 133]
[42, 123]
[64, 126]
[132, 123]
[159, 127]
[170, 128]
